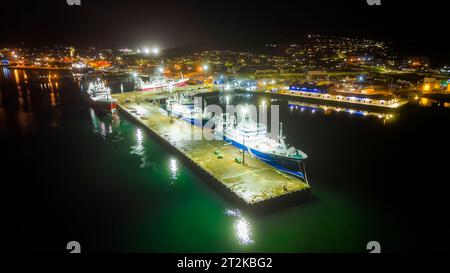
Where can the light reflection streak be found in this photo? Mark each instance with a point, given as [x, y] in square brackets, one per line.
[243, 231]
[139, 136]
[140, 150]
[6, 73]
[242, 227]
[99, 126]
[16, 76]
[173, 169]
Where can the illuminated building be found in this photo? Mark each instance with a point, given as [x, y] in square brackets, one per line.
[325, 92]
[431, 84]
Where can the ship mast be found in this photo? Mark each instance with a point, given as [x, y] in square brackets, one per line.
[281, 137]
[204, 107]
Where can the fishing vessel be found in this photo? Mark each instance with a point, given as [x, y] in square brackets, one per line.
[158, 82]
[185, 108]
[99, 97]
[253, 138]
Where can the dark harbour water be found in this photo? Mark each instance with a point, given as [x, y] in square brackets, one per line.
[71, 174]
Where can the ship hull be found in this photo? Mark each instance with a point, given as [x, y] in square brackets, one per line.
[100, 105]
[199, 122]
[288, 165]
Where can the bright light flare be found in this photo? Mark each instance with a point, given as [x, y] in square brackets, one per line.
[242, 227]
[243, 231]
[139, 135]
[173, 168]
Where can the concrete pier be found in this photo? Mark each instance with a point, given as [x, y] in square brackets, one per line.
[253, 182]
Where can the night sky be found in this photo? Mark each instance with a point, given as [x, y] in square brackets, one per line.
[417, 25]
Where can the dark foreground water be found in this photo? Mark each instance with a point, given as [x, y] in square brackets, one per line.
[71, 174]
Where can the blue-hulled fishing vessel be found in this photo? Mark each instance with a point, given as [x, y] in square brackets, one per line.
[252, 137]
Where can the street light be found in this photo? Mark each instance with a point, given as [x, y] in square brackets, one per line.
[155, 50]
[146, 50]
[161, 70]
[205, 68]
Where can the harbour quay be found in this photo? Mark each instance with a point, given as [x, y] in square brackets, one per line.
[251, 181]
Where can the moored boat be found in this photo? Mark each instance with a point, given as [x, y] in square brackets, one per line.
[185, 108]
[252, 137]
[99, 97]
[159, 82]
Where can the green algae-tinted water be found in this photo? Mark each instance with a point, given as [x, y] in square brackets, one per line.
[102, 181]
